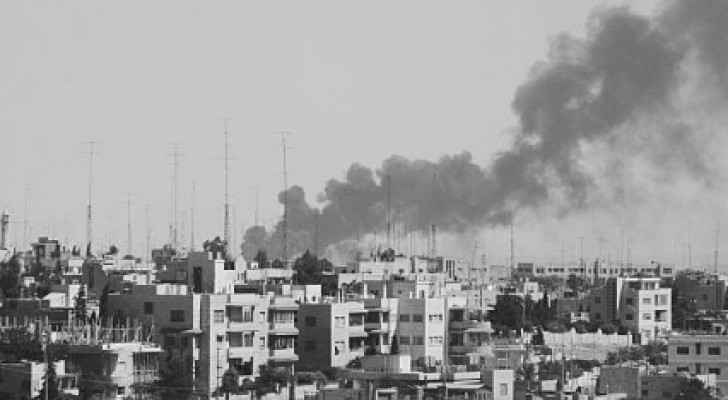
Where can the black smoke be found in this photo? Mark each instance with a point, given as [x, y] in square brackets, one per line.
[616, 89]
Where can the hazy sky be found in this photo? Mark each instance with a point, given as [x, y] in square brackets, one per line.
[353, 81]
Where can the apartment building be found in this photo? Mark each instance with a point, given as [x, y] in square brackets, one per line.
[645, 307]
[331, 334]
[243, 332]
[214, 332]
[421, 329]
[700, 354]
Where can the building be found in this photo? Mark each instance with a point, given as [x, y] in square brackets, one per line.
[706, 291]
[700, 354]
[331, 334]
[23, 380]
[599, 269]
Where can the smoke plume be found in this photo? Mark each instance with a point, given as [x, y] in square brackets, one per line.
[628, 92]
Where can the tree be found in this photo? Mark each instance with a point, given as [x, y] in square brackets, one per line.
[91, 383]
[80, 305]
[10, 277]
[693, 389]
[50, 383]
[309, 269]
[229, 382]
[216, 246]
[508, 312]
[261, 257]
[113, 250]
[271, 378]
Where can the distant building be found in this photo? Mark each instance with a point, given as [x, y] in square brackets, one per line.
[700, 354]
[706, 291]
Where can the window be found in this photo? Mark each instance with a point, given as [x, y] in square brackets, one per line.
[714, 371]
[177, 315]
[435, 317]
[503, 389]
[629, 317]
[404, 318]
[417, 317]
[247, 314]
[435, 340]
[248, 339]
[598, 316]
[385, 340]
[683, 369]
[229, 266]
[338, 347]
[418, 340]
[170, 341]
[339, 322]
[261, 342]
[646, 300]
[235, 339]
[310, 320]
[714, 351]
[404, 340]
[220, 338]
[683, 350]
[148, 307]
[219, 316]
[629, 301]
[698, 348]
[597, 300]
[647, 316]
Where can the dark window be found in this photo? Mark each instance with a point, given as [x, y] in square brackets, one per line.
[229, 266]
[310, 320]
[177, 315]
[683, 350]
[714, 351]
[416, 317]
[715, 371]
[404, 317]
[148, 307]
[629, 317]
[698, 348]
[683, 369]
[629, 301]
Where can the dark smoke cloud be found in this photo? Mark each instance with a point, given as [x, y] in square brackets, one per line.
[588, 92]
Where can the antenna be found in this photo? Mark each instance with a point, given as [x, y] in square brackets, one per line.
[149, 235]
[581, 250]
[388, 217]
[717, 245]
[173, 230]
[512, 246]
[226, 232]
[26, 228]
[192, 217]
[284, 148]
[129, 249]
[89, 212]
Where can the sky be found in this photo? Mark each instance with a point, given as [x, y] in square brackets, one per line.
[351, 81]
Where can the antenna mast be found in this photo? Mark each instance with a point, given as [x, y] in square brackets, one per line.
[226, 232]
[129, 249]
[175, 195]
[715, 250]
[192, 218]
[149, 235]
[512, 246]
[388, 217]
[89, 213]
[284, 148]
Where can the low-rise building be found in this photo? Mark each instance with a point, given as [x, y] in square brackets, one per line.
[700, 354]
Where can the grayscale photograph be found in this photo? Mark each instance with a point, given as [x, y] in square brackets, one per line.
[364, 200]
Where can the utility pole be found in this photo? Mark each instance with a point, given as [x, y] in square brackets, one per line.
[715, 250]
[226, 228]
[284, 224]
[89, 212]
[581, 250]
[256, 217]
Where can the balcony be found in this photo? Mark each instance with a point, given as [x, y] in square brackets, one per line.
[240, 352]
[462, 349]
[287, 328]
[283, 355]
[471, 326]
[242, 325]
